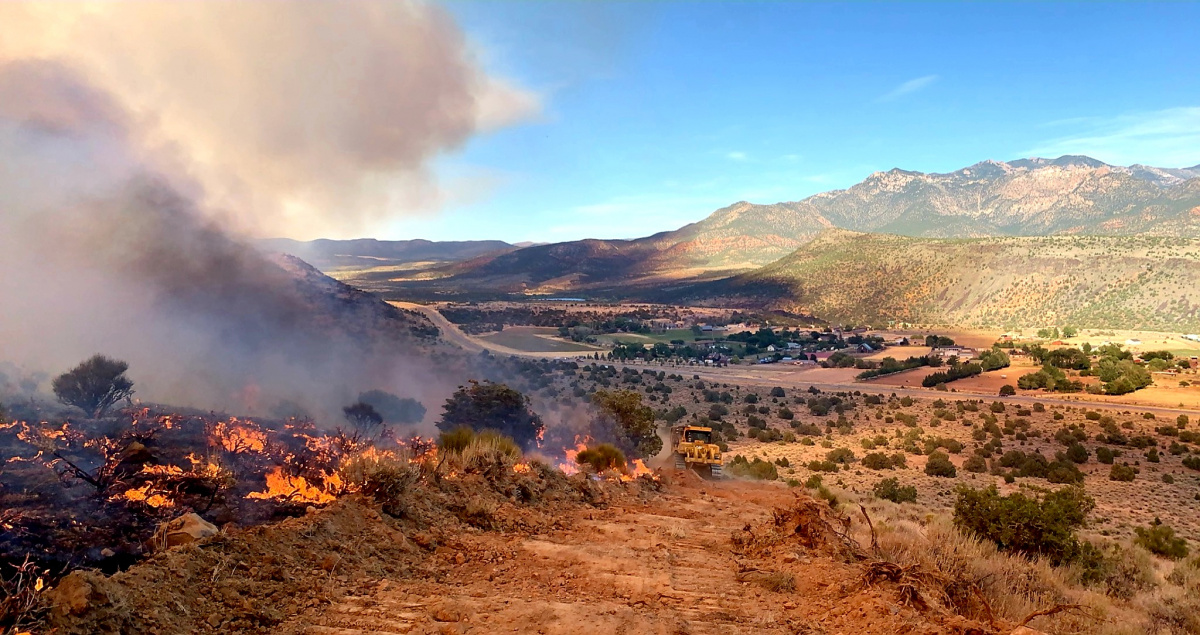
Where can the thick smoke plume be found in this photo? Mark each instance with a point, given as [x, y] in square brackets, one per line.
[134, 135]
[302, 119]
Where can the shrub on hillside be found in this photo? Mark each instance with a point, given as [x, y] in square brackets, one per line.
[94, 386]
[840, 455]
[939, 465]
[822, 466]
[877, 461]
[490, 406]
[890, 489]
[975, 464]
[1160, 540]
[1032, 525]
[1122, 472]
[757, 469]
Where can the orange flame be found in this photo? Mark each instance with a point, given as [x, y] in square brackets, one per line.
[636, 469]
[236, 437]
[291, 488]
[143, 494]
[569, 466]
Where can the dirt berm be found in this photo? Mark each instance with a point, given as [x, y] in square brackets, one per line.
[532, 553]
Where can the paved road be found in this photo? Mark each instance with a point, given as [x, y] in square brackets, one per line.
[738, 375]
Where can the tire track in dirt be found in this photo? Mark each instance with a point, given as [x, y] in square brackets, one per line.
[665, 566]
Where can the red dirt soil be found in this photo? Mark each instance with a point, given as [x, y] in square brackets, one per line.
[695, 557]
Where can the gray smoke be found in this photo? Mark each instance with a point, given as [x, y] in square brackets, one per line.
[126, 157]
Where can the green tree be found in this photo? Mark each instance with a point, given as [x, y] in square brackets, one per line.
[94, 385]
[631, 422]
[394, 409]
[491, 406]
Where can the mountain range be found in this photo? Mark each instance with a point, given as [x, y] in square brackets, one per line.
[899, 228]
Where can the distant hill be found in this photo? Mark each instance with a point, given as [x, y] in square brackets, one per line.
[1098, 282]
[1070, 195]
[364, 253]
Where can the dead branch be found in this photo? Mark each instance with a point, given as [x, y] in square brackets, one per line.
[871, 525]
[1060, 608]
[987, 606]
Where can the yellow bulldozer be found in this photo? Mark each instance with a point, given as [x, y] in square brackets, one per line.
[695, 450]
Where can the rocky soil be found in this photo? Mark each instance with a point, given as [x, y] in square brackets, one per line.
[679, 555]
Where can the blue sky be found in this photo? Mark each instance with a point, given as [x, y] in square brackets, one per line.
[655, 114]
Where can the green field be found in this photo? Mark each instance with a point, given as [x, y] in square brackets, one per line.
[532, 339]
[665, 337]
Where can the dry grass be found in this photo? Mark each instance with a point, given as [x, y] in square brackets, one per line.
[1143, 594]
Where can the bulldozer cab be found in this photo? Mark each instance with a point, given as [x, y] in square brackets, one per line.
[698, 435]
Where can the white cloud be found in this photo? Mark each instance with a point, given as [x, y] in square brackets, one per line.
[1162, 138]
[736, 156]
[911, 86]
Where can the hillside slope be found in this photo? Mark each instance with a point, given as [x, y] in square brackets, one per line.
[1069, 195]
[1098, 282]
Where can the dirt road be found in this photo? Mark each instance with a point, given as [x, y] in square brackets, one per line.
[663, 566]
[455, 335]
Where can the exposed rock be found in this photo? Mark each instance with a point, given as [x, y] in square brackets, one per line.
[75, 594]
[186, 529]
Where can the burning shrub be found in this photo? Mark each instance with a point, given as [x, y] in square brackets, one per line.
[486, 405]
[94, 385]
[385, 477]
[601, 457]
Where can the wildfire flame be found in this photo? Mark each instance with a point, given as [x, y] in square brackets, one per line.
[236, 437]
[297, 489]
[637, 469]
[569, 466]
[144, 494]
